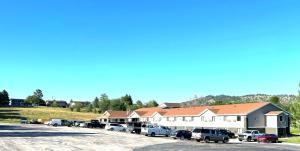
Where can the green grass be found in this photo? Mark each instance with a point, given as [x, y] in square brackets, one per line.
[13, 115]
[293, 139]
[295, 131]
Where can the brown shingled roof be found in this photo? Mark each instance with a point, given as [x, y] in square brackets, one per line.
[118, 114]
[230, 109]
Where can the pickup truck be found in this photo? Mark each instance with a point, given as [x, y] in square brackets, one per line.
[249, 135]
[151, 130]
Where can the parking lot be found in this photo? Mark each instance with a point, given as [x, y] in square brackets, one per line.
[41, 137]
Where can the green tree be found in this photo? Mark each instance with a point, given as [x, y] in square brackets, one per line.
[96, 103]
[139, 104]
[78, 107]
[104, 103]
[117, 105]
[127, 99]
[36, 98]
[152, 103]
[4, 98]
[90, 108]
[294, 109]
[32, 99]
[38, 93]
[274, 100]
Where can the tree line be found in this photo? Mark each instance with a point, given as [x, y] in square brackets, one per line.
[103, 103]
[4, 98]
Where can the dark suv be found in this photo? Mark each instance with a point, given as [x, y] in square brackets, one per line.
[207, 135]
[95, 124]
[182, 134]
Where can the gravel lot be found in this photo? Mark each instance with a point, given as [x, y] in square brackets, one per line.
[40, 137]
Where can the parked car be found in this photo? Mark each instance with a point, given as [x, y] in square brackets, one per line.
[207, 135]
[23, 120]
[182, 134]
[58, 122]
[227, 132]
[249, 135]
[267, 138]
[83, 124]
[114, 127]
[151, 130]
[77, 123]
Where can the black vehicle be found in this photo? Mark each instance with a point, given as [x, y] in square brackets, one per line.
[134, 127]
[182, 134]
[95, 124]
[227, 132]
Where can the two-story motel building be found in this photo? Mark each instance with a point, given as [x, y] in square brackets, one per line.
[262, 116]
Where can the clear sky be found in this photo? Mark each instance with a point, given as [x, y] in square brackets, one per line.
[166, 50]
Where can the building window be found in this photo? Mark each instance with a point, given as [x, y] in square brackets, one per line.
[167, 118]
[174, 118]
[147, 119]
[238, 118]
[202, 118]
[213, 118]
[280, 118]
[183, 118]
[192, 118]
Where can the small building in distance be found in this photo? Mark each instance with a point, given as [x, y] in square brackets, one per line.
[169, 105]
[83, 103]
[17, 102]
[60, 103]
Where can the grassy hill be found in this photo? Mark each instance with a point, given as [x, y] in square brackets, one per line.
[13, 115]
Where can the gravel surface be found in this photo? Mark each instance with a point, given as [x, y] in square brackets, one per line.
[41, 137]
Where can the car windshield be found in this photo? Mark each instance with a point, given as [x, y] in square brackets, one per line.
[247, 132]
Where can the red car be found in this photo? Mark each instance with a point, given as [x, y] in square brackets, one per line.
[267, 138]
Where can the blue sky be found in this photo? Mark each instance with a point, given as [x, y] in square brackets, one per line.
[165, 50]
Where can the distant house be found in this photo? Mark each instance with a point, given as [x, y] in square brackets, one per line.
[83, 103]
[169, 105]
[17, 102]
[61, 103]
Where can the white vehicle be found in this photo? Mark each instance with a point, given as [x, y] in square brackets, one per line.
[249, 135]
[155, 130]
[58, 122]
[114, 127]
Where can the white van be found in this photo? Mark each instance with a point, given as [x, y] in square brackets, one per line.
[58, 122]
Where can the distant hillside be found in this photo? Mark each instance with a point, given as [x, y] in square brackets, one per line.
[210, 99]
[14, 114]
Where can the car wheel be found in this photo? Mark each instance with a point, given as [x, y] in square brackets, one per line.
[216, 141]
[112, 129]
[198, 140]
[225, 140]
[152, 134]
[249, 139]
[54, 125]
[240, 140]
[182, 137]
[207, 140]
